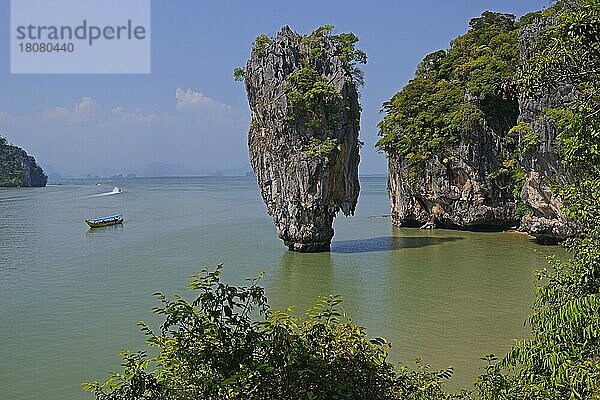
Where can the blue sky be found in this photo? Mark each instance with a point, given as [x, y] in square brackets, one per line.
[189, 111]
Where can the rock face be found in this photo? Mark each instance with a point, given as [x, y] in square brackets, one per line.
[457, 192]
[18, 169]
[543, 166]
[445, 132]
[464, 190]
[306, 163]
[547, 230]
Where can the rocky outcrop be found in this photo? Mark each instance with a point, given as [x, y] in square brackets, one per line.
[445, 132]
[488, 178]
[304, 150]
[459, 191]
[543, 167]
[18, 169]
[548, 230]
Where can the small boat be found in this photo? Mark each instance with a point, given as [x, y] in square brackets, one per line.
[105, 221]
[117, 190]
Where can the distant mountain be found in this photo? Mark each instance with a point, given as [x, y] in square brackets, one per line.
[18, 169]
[241, 171]
[152, 170]
[121, 176]
[158, 169]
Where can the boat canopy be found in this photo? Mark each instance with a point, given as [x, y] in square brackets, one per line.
[105, 218]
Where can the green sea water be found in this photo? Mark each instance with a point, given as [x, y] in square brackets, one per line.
[70, 298]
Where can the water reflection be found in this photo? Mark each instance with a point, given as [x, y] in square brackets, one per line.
[387, 243]
[104, 230]
[300, 278]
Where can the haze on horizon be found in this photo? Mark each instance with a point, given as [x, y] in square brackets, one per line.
[189, 114]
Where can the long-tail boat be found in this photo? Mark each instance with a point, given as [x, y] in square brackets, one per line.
[105, 221]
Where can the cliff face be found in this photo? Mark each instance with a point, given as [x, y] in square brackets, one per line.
[445, 133]
[500, 169]
[458, 191]
[543, 166]
[18, 169]
[303, 136]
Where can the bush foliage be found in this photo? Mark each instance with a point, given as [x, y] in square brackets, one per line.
[228, 344]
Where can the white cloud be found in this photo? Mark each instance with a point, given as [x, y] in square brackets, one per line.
[56, 113]
[88, 111]
[136, 117]
[189, 100]
[85, 110]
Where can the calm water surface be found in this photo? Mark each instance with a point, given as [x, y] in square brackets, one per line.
[70, 298]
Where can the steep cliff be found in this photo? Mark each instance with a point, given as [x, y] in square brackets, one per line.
[468, 148]
[17, 169]
[544, 171]
[462, 190]
[303, 136]
[446, 133]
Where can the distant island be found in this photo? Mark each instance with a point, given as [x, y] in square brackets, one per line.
[154, 169]
[18, 169]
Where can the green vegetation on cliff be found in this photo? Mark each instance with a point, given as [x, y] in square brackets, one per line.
[12, 173]
[18, 169]
[458, 110]
[345, 44]
[312, 98]
[314, 101]
[454, 91]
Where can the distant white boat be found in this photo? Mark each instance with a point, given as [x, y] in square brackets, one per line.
[116, 190]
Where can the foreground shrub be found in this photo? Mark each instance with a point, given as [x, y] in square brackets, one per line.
[228, 344]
